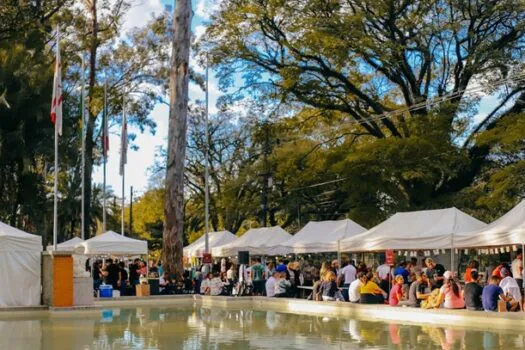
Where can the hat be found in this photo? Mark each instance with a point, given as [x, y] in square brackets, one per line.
[448, 275]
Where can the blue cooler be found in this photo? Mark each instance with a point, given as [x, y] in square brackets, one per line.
[106, 291]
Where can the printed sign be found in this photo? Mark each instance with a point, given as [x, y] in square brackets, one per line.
[389, 257]
[206, 258]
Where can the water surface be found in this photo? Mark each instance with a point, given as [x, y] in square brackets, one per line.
[195, 327]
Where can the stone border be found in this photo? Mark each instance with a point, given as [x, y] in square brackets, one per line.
[384, 313]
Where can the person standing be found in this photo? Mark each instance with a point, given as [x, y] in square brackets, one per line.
[384, 275]
[517, 269]
[348, 274]
[134, 274]
[111, 274]
[435, 273]
[258, 277]
[122, 278]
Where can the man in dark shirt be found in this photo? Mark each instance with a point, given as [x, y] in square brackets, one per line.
[435, 273]
[111, 273]
[473, 292]
[133, 273]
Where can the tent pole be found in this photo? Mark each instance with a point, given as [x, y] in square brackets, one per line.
[523, 272]
[339, 253]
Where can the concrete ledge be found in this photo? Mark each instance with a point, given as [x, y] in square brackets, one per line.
[460, 318]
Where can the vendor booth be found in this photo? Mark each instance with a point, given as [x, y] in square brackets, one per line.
[112, 243]
[20, 258]
[319, 237]
[425, 229]
[215, 239]
[258, 241]
[67, 246]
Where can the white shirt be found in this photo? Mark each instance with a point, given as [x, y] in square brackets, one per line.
[229, 274]
[162, 283]
[354, 291]
[216, 286]
[204, 284]
[270, 286]
[383, 271]
[510, 287]
[349, 272]
[517, 268]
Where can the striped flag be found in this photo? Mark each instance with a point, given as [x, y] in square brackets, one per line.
[123, 143]
[56, 102]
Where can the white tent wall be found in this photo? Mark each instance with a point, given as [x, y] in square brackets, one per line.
[418, 230]
[68, 245]
[258, 241]
[216, 239]
[319, 237]
[20, 258]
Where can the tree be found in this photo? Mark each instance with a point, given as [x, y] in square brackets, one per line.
[369, 75]
[179, 80]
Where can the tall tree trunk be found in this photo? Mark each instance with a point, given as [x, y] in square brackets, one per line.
[179, 79]
[90, 127]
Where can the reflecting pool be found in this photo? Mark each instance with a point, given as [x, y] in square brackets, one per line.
[195, 327]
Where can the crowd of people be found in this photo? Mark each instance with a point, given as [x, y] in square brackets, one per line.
[425, 283]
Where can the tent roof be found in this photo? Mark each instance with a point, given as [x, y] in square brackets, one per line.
[216, 239]
[13, 239]
[508, 229]
[67, 245]
[425, 229]
[258, 241]
[112, 243]
[319, 236]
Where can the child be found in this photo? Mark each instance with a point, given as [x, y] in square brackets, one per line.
[396, 293]
[282, 286]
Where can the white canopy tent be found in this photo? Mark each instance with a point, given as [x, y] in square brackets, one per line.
[112, 243]
[258, 241]
[426, 229]
[216, 239]
[20, 258]
[508, 229]
[319, 237]
[68, 245]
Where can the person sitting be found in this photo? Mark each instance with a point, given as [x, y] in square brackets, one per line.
[509, 286]
[492, 293]
[282, 286]
[472, 292]
[370, 291]
[205, 285]
[396, 293]
[450, 294]
[270, 284]
[165, 284]
[328, 288]
[418, 290]
[354, 294]
[215, 286]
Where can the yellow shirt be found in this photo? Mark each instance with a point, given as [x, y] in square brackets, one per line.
[369, 288]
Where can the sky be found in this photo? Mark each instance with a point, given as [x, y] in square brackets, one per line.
[141, 160]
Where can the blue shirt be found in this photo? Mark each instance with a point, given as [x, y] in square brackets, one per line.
[490, 297]
[403, 272]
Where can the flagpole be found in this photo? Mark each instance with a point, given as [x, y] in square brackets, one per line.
[123, 165]
[105, 128]
[55, 187]
[83, 111]
[206, 175]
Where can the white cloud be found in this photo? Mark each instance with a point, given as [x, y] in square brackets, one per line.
[205, 8]
[141, 12]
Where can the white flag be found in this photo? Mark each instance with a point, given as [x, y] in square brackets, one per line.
[56, 103]
[123, 143]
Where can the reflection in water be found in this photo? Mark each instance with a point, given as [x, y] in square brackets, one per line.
[205, 328]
